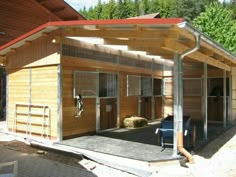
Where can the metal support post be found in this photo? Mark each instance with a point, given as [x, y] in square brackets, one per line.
[118, 100]
[97, 104]
[204, 101]
[178, 100]
[224, 100]
[139, 97]
[153, 100]
[230, 100]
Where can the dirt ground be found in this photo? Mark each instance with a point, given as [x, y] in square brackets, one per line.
[59, 156]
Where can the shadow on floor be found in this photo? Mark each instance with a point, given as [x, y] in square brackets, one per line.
[145, 135]
[216, 133]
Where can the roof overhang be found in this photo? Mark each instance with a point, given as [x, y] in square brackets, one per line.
[156, 37]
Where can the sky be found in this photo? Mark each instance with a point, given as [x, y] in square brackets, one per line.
[79, 4]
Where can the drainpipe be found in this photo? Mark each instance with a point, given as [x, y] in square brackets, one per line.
[180, 144]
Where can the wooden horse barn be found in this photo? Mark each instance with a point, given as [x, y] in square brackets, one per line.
[156, 67]
[30, 14]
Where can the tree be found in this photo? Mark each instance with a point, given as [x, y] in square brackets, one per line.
[218, 23]
[166, 8]
[136, 7]
[111, 9]
[144, 7]
[98, 9]
[119, 10]
[232, 6]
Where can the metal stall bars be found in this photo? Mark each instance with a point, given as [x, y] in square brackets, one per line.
[32, 119]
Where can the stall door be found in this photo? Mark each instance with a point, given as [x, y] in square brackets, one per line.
[146, 108]
[146, 97]
[108, 113]
[108, 100]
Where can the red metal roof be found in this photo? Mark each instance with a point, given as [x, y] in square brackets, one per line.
[51, 26]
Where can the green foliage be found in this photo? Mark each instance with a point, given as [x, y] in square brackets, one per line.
[119, 9]
[167, 8]
[218, 23]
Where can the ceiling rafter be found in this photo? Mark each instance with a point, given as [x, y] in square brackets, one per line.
[204, 44]
[76, 32]
[134, 42]
[177, 47]
[104, 49]
[158, 51]
[58, 9]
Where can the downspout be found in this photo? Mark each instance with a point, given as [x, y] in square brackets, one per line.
[180, 135]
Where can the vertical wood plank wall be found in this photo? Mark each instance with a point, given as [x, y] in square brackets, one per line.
[87, 122]
[36, 86]
[128, 105]
[18, 92]
[32, 77]
[40, 52]
[44, 91]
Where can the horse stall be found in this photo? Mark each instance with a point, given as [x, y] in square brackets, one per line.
[63, 82]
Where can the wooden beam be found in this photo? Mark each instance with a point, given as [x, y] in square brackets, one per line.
[56, 39]
[3, 60]
[72, 17]
[218, 57]
[134, 42]
[111, 51]
[59, 9]
[136, 34]
[204, 44]
[159, 51]
[206, 51]
[42, 1]
[13, 50]
[45, 34]
[174, 46]
[28, 42]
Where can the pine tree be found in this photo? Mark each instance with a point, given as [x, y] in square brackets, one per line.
[119, 12]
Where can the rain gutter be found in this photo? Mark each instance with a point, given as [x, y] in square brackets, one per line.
[179, 115]
[207, 39]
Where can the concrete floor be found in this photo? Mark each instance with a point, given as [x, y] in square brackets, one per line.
[138, 144]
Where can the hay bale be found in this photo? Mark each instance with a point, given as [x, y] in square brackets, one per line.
[135, 122]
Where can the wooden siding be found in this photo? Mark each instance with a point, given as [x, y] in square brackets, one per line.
[108, 113]
[36, 86]
[128, 104]
[87, 123]
[40, 52]
[21, 16]
[146, 107]
[192, 106]
[71, 125]
[158, 107]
